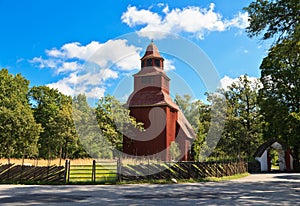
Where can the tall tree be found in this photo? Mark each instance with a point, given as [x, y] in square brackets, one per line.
[277, 19]
[279, 97]
[198, 115]
[19, 131]
[91, 140]
[114, 120]
[53, 110]
[243, 129]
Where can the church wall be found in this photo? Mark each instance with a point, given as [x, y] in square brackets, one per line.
[155, 146]
[171, 115]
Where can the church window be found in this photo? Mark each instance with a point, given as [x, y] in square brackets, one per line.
[157, 62]
[149, 62]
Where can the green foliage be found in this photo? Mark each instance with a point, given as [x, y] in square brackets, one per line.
[114, 121]
[53, 110]
[243, 128]
[273, 19]
[242, 133]
[279, 97]
[19, 131]
[89, 133]
[198, 114]
[174, 150]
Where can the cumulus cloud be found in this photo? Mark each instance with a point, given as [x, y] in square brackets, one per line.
[103, 54]
[90, 84]
[46, 63]
[86, 68]
[169, 65]
[191, 19]
[227, 81]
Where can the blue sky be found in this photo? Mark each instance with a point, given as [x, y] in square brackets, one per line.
[94, 47]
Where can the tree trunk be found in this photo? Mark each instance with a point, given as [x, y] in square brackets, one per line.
[49, 161]
[23, 156]
[66, 150]
[60, 155]
[8, 155]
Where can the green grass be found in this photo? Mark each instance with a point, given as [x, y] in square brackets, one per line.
[168, 181]
[83, 173]
[233, 177]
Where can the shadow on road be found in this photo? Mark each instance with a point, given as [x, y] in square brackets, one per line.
[279, 192]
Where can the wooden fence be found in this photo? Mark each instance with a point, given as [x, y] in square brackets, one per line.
[97, 172]
[112, 171]
[181, 170]
[34, 174]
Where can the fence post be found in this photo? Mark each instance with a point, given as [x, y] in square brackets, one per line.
[190, 170]
[94, 171]
[66, 172]
[69, 170]
[21, 175]
[148, 170]
[119, 169]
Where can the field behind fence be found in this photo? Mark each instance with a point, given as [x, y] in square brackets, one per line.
[97, 172]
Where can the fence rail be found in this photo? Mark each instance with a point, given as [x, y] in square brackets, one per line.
[181, 170]
[112, 171]
[96, 172]
[22, 173]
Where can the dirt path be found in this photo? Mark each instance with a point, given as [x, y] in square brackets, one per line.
[257, 189]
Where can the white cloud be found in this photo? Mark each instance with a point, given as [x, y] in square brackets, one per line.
[63, 86]
[191, 19]
[169, 65]
[240, 21]
[226, 81]
[92, 84]
[95, 92]
[86, 68]
[69, 66]
[133, 17]
[54, 53]
[45, 63]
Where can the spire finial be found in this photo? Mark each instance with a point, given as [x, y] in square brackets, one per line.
[152, 40]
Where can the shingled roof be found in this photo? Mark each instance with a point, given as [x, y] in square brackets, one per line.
[151, 52]
[150, 96]
[185, 126]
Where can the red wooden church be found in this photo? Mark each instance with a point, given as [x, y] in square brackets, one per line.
[151, 104]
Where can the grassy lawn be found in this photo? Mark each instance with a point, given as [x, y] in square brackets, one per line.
[233, 177]
[103, 173]
[207, 179]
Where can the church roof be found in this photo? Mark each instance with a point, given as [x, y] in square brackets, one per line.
[151, 52]
[185, 126]
[150, 96]
[150, 71]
